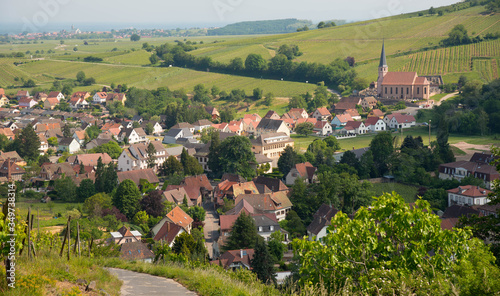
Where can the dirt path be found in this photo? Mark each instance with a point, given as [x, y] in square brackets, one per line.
[135, 283]
[446, 98]
[469, 149]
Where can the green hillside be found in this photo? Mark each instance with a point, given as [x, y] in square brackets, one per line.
[362, 40]
[261, 27]
[410, 42]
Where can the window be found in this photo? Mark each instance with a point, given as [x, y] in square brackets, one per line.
[260, 228]
[418, 90]
[425, 90]
[386, 90]
[271, 228]
[407, 90]
[396, 90]
[391, 90]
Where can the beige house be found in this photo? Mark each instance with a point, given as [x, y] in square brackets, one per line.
[271, 126]
[271, 145]
[124, 235]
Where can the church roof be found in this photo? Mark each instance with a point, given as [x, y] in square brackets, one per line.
[399, 78]
[383, 61]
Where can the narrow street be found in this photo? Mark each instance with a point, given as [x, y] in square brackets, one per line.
[211, 229]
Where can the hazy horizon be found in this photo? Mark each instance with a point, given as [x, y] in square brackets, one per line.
[55, 15]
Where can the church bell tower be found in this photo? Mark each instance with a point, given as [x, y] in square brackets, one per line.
[382, 70]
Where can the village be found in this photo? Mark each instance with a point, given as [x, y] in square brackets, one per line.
[185, 202]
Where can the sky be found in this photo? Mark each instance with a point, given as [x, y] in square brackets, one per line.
[45, 15]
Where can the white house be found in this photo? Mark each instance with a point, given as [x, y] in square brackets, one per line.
[27, 102]
[157, 129]
[272, 126]
[356, 127]
[79, 136]
[176, 133]
[100, 97]
[136, 157]
[321, 114]
[323, 128]
[69, 144]
[202, 124]
[56, 94]
[133, 135]
[398, 120]
[44, 145]
[468, 195]
[375, 124]
[322, 219]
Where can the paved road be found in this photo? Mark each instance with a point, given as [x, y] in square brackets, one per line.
[211, 229]
[135, 283]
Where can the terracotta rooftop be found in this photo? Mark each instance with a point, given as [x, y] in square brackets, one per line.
[179, 217]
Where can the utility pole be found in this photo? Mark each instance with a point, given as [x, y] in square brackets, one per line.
[430, 133]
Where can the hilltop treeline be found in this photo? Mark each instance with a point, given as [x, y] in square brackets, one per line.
[338, 74]
[261, 27]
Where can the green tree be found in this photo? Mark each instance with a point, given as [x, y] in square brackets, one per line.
[184, 244]
[255, 63]
[95, 204]
[269, 99]
[111, 148]
[214, 91]
[29, 83]
[85, 190]
[171, 166]
[153, 59]
[377, 244]
[190, 165]
[141, 218]
[293, 224]
[105, 177]
[236, 156]
[149, 128]
[66, 131]
[197, 213]
[53, 141]
[92, 132]
[304, 128]
[262, 263]
[276, 247]
[29, 143]
[458, 35]
[151, 151]
[126, 198]
[66, 189]
[381, 148]
[243, 235]
[80, 76]
[135, 37]
[257, 93]
[287, 160]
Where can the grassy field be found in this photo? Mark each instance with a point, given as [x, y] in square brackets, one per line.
[364, 140]
[47, 211]
[44, 72]
[406, 191]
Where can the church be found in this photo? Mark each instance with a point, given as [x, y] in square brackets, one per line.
[400, 85]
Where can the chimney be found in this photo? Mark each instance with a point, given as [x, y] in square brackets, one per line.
[241, 253]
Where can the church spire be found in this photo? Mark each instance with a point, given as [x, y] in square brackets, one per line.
[383, 61]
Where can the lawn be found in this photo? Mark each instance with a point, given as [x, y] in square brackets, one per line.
[406, 191]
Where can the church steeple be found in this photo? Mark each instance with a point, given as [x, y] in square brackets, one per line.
[383, 61]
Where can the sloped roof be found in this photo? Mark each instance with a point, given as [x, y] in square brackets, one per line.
[272, 183]
[135, 251]
[137, 175]
[371, 121]
[194, 184]
[234, 256]
[399, 78]
[176, 195]
[481, 157]
[179, 217]
[305, 169]
[322, 218]
[456, 211]
[227, 221]
[270, 124]
[183, 125]
[243, 205]
[270, 113]
[80, 135]
[471, 191]
[244, 188]
[167, 232]
[375, 113]
[323, 111]
[343, 118]
[353, 124]
[91, 159]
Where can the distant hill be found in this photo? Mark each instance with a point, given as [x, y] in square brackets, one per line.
[261, 27]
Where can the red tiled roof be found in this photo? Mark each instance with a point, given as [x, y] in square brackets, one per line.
[303, 170]
[399, 78]
[371, 121]
[343, 118]
[323, 111]
[471, 191]
[179, 217]
[353, 124]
